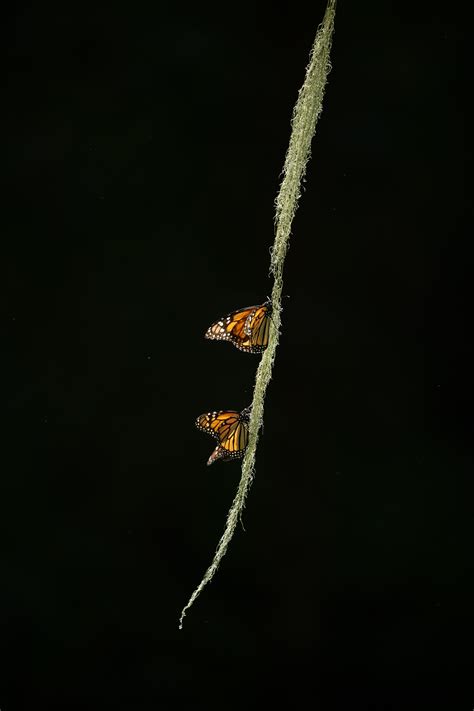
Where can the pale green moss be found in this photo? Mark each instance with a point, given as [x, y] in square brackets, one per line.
[305, 115]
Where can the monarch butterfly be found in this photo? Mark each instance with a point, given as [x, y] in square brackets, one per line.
[247, 329]
[230, 429]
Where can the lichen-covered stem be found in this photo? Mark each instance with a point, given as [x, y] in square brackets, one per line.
[306, 112]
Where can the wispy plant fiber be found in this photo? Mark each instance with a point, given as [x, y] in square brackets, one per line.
[306, 112]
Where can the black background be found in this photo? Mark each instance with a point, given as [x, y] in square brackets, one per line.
[145, 143]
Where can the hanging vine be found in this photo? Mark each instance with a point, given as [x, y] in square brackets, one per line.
[306, 112]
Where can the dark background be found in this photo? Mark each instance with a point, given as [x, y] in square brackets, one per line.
[145, 143]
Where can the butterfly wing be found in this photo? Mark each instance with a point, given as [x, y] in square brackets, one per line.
[236, 441]
[233, 447]
[258, 328]
[230, 429]
[219, 424]
[232, 327]
[247, 329]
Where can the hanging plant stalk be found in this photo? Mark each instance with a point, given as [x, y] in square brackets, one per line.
[303, 125]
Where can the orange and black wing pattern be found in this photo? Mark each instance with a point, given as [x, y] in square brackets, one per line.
[230, 429]
[258, 327]
[248, 329]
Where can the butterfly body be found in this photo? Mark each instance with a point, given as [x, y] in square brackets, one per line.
[248, 329]
[230, 429]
